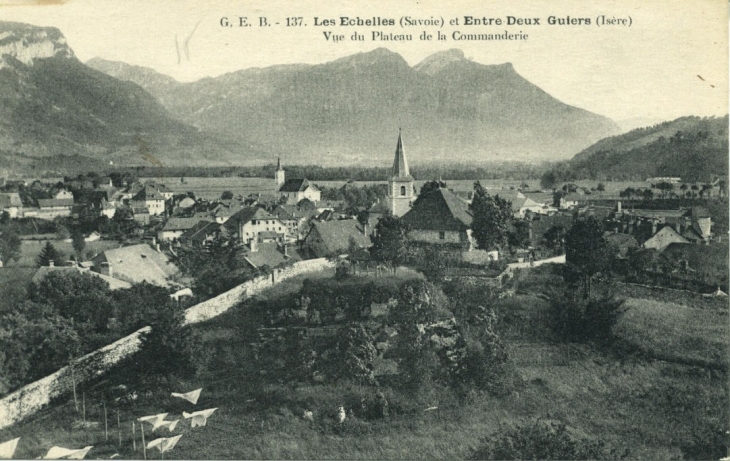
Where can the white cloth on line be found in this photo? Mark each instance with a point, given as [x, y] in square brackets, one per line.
[164, 443]
[66, 453]
[8, 448]
[191, 396]
[169, 424]
[199, 418]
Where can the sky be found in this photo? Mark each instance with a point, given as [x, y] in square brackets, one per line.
[671, 61]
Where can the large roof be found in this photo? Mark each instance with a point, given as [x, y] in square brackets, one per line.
[200, 230]
[114, 284]
[336, 235]
[245, 215]
[271, 254]
[10, 199]
[137, 264]
[148, 193]
[55, 202]
[440, 210]
[177, 224]
[296, 185]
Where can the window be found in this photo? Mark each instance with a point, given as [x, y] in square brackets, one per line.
[402, 190]
[442, 235]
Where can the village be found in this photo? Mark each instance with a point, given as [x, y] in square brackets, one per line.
[418, 296]
[668, 225]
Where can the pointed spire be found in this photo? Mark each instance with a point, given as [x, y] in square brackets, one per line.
[400, 165]
[278, 163]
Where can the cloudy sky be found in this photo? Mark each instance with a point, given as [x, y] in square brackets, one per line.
[672, 60]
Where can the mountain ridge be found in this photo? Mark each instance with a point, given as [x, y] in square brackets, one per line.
[341, 111]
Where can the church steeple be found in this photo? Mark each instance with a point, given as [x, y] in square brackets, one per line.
[279, 175]
[400, 164]
[400, 185]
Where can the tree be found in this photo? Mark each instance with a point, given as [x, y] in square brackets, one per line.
[9, 245]
[172, 348]
[48, 254]
[555, 238]
[549, 180]
[226, 195]
[601, 187]
[79, 243]
[419, 305]
[390, 243]
[520, 238]
[587, 253]
[431, 186]
[648, 194]
[355, 353]
[491, 215]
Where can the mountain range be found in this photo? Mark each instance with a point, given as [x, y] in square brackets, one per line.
[348, 110]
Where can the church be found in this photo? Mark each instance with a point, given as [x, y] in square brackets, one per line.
[295, 190]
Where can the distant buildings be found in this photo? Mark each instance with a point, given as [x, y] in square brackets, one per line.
[292, 191]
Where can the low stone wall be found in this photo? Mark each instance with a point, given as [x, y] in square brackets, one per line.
[540, 262]
[32, 397]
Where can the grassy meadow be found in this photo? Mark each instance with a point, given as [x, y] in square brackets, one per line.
[643, 406]
[30, 249]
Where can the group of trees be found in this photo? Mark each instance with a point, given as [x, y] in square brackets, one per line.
[216, 267]
[69, 314]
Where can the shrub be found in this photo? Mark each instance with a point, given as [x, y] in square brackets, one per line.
[542, 440]
[576, 319]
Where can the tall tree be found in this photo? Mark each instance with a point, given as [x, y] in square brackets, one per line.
[491, 216]
[587, 253]
[48, 254]
[79, 243]
[390, 243]
[9, 245]
[430, 186]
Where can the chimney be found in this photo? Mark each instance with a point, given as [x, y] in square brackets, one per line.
[618, 206]
[157, 247]
[51, 263]
[653, 226]
[286, 250]
[254, 243]
[365, 228]
[615, 230]
[154, 241]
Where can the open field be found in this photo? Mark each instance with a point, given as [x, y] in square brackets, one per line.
[30, 249]
[213, 187]
[676, 333]
[652, 408]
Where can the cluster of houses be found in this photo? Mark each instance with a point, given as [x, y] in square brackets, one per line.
[292, 222]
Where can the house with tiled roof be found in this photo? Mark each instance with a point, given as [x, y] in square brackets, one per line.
[136, 264]
[270, 254]
[248, 222]
[663, 238]
[201, 233]
[55, 207]
[326, 238]
[149, 197]
[175, 227]
[11, 203]
[114, 284]
[440, 217]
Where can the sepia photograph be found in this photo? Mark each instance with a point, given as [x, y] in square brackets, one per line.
[364, 230]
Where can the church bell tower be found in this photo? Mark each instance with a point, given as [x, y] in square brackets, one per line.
[400, 185]
[279, 175]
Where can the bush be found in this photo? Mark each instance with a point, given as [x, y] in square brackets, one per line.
[578, 319]
[542, 440]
